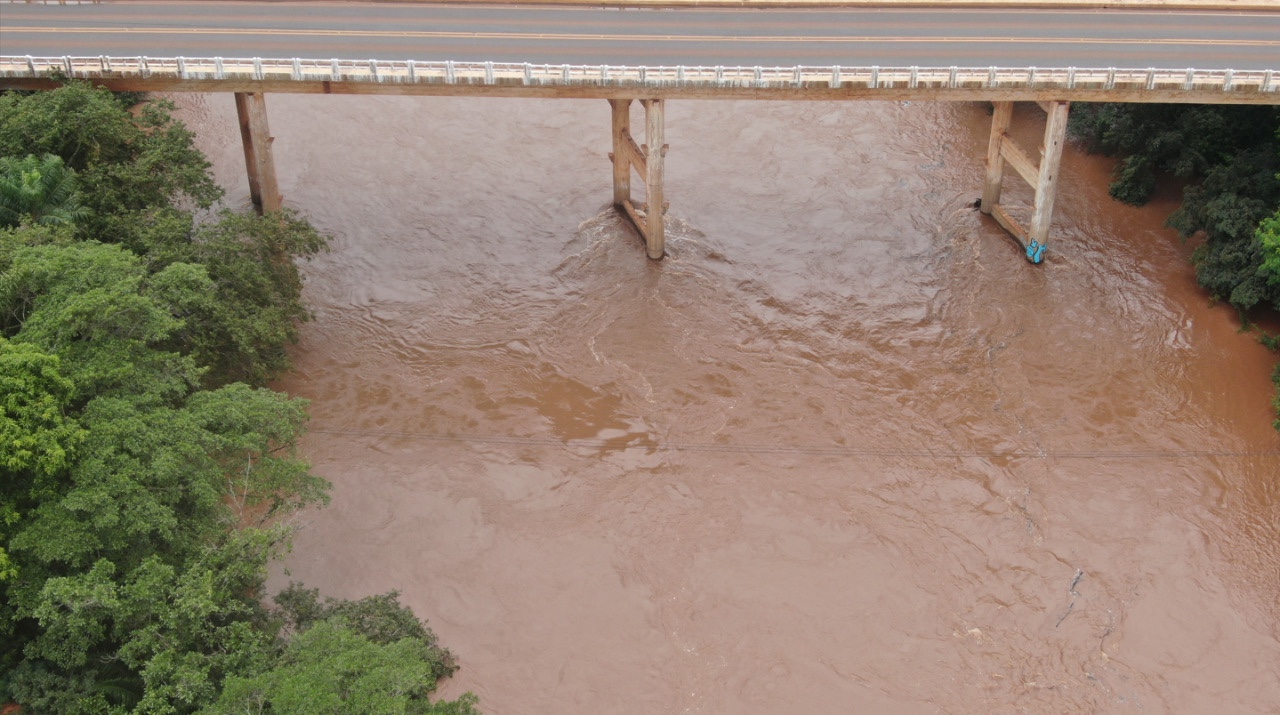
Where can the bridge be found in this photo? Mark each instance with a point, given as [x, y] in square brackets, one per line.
[1002, 55]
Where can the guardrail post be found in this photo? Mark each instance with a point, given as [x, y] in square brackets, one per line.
[251, 109]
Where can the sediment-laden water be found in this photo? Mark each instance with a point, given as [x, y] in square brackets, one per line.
[843, 450]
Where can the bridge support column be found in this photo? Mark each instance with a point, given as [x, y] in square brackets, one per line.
[251, 109]
[1042, 176]
[646, 160]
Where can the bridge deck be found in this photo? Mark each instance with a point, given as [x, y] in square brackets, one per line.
[334, 76]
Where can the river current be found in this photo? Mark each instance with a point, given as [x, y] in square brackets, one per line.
[843, 451]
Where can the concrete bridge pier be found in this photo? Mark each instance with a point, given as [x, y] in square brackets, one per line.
[1042, 176]
[251, 109]
[646, 159]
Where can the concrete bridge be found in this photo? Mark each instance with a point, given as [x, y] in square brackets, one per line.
[1240, 78]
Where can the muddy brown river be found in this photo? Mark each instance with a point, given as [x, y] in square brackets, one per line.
[843, 451]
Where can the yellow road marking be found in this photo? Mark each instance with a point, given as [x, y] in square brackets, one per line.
[629, 38]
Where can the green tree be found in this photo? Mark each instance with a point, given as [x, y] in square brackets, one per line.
[37, 438]
[1184, 140]
[331, 669]
[144, 488]
[1228, 205]
[38, 444]
[240, 327]
[128, 163]
[88, 303]
[130, 486]
[368, 656]
[38, 189]
[1269, 237]
[381, 619]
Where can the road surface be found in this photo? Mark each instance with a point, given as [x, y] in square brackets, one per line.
[539, 34]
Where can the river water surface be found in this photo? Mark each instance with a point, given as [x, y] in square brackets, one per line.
[843, 451]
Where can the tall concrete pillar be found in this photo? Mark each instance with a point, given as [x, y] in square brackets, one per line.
[646, 160]
[1042, 175]
[991, 189]
[655, 151]
[1055, 137]
[621, 161]
[251, 109]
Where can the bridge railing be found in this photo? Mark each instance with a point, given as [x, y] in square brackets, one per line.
[525, 74]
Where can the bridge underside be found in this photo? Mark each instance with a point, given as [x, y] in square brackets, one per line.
[646, 160]
[1053, 89]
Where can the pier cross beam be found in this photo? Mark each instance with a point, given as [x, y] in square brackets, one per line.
[646, 159]
[1043, 176]
[251, 109]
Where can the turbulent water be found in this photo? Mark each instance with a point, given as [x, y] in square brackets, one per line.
[843, 450]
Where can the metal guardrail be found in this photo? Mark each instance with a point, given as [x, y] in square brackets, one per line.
[526, 74]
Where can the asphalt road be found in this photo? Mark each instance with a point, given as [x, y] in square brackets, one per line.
[556, 35]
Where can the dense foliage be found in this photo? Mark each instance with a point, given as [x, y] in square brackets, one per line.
[1231, 157]
[148, 474]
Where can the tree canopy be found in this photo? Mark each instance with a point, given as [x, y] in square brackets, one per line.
[148, 473]
[38, 189]
[1230, 154]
